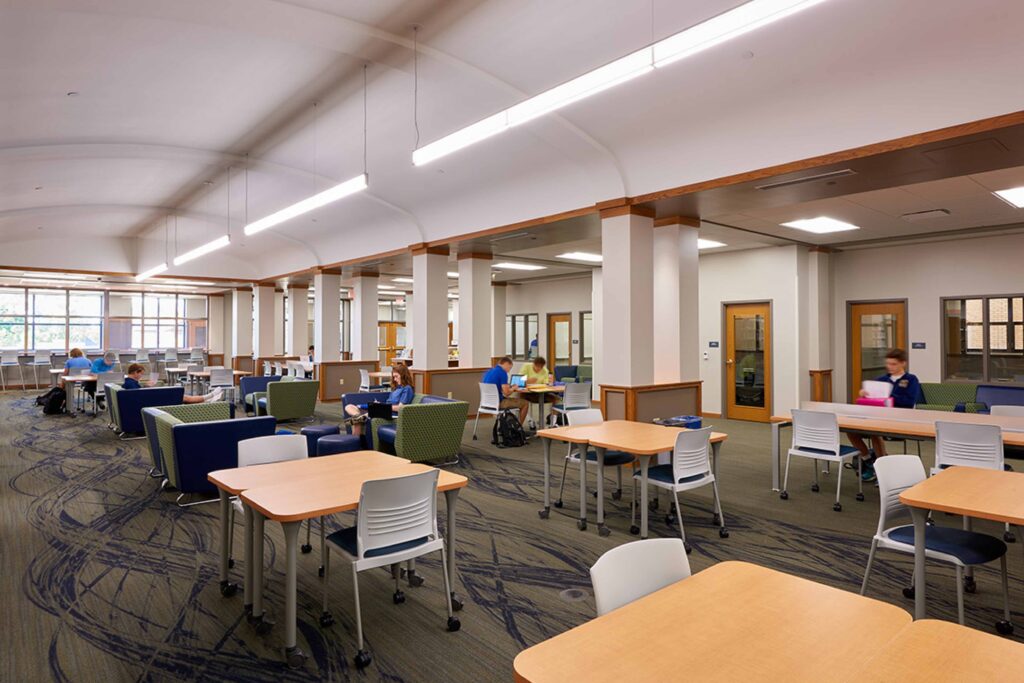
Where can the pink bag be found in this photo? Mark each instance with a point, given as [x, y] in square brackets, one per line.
[882, 402]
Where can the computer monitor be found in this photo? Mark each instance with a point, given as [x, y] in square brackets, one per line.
[518, 381]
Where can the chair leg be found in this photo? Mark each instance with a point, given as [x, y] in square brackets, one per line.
[231, 531]
[785, 479]
[816, 483]
[867, 570]
[453, 621]
[722, 532]
[475, 423]
[679, 518]
[837, 506]
[617, 494]
[960, 594]
[323, 546]
[561, 487]
[359, 616]
[325, 616]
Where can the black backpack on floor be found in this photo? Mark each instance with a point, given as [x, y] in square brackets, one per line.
[54, 401]
[507, 431]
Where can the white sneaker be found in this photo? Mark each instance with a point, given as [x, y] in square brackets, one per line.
[215, 395]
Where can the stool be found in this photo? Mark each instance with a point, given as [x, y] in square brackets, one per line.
[339, 443]
[313, 433]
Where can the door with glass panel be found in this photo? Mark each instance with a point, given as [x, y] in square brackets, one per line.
[875, 328]
[748, 365]
[390, 341]
[559, 339]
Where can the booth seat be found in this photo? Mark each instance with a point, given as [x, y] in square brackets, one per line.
[565, 373]
[250, 386]
[428, 429]
[998, 395]
[291, 398]
[949, 397]
[126, 405]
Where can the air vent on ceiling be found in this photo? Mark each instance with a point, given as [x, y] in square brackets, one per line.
[831, 175]
[917, 216]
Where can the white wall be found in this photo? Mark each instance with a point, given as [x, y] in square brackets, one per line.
[554, 296]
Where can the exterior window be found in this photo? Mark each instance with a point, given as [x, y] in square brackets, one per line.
[520, 330]
[12, 319]
[85, 320]
[47, 322]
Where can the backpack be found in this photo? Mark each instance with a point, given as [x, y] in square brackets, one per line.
[507, 431]
[54, 402]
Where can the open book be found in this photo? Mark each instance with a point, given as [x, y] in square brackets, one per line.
[876, 389]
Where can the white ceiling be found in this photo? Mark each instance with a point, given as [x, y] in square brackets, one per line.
[172, 94]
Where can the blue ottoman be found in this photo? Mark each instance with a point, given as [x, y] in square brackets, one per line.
[314, 433]
[338, 443]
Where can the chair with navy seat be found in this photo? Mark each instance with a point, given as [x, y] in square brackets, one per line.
[616, 459]
[690, 469]
[427, 430]
[816, 436]
[127, 404]
[958, 547]
[396, 522]
[576, 397]
[250, 387]
[633, 570]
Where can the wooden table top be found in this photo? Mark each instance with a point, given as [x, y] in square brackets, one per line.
[542, 388]
[383, 373]
[306, 488]
[639, 438]
[731, 622]
[78, 378]
[929, 650]
[206, 373]
[923, 428]
[971, 491]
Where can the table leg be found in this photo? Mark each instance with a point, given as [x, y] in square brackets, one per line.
[451, 497]
[776, 428]
[715, 448]
[263, 625]
[547, 480]
[920, 515]
[581, 523]
[645, 463]
[247, 583]
[540, 410]
[601, 528]
[227, 589]
[293, 654]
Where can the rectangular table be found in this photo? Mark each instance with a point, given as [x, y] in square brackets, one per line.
[731, 622]
[966, 491]
[638, 438]
[81, 379]
[291, 492]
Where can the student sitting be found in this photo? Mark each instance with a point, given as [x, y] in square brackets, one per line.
[536, 372]
[401, 395]
[136, 371]
[498, 376]
[99, 366]
[76, 360]
[906, 390]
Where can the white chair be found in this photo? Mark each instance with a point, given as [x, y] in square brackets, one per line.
[196, 354]
[633, 570]
[364, 382]
[958, 547]
[224, 379]
[170, 358]
[103, 379]
[186, 377]
[268, 369]
[490, 399]
[1007, 411]
[816, 436]
[576, 397]
[616, 459]
[141, 356]
[8, 361]
[279, 368]
[41, 359]
[396, 522]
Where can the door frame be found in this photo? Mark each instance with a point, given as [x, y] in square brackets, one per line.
[723, 347]
[849, 334]
[550, 356]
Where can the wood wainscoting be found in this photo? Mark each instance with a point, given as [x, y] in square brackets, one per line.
[648, 402]
[339, 377]
[462, 384]
[821, 385]
[243, 363]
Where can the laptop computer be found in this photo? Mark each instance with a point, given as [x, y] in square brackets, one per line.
[379, 410]
[518, 381]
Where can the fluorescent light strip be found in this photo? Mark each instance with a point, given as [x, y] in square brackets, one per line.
[518, 266]
[155, 270]
[731, 24]
[453, 274]
[202, 250]
[1013, 196]
[402, 279]
[708, 244]
[308, 204]
[581, 256]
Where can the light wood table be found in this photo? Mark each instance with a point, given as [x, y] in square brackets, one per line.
[539, 393]
[929, 650]
[642, 439]
[382, 374]
[291, 492]
[81, 379]
[731, 622]
[966, 491]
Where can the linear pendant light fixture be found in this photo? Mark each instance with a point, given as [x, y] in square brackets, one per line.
[726, 26]
[202, 250]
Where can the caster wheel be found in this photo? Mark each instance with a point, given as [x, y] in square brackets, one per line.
[815, 488]
[909, 593]
[326, 620]
[1009, 538]
[231, 563]
[688, 547]
[454, 624]
[784, 495]
[456, 603]
[838, 507]
[306, 549]
[969, 585]
[581, 524]
[263, 626]
[398, 598]
[295, 658]
[860, 497]
[616, 495]
[415, 580]
[544, 514]
[723, 533]
[716, 520]
[228, 589]
[558, 503]
[363, 659]
[634, 530]
[603, 531]
[1004, 628]
[669, 519]
[320, 571]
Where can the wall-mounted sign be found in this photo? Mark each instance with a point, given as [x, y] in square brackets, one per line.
[918, 345]
[712, 345]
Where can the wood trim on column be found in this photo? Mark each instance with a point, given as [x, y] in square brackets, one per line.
[248, 288]
[499, 284]
[627, 210]
[483, 256]
[297, 286]
[630, 394]
[421, 248]
[688, 221]
[365, 273]
[326, 270]
[821, 250]
[821, 385]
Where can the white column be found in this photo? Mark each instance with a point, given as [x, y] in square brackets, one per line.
[430, 282]
[627, 309]
[408, 319]
[499, 309]
[241, 324]
[263, 320]
[215, 324]
[364, 316]
[297, 332]
[475, 323]
[676, 300]
[819, 312]
[596, 305]
[278, 322]
[327, 317]
[227, 320]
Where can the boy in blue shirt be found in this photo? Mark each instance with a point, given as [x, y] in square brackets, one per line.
[906, 392]
[499, 377]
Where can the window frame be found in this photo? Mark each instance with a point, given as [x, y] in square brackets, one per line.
[584, 359]
[522, 333]
[986, 350]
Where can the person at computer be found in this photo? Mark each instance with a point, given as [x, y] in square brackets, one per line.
[499, 377]
[136, 371]
[401, 395]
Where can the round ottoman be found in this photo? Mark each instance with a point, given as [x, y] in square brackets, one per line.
[338, 443]
[314, 433]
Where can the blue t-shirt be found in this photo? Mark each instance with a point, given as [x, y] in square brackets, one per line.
[99, 365]
[80, 362]
[131, 383]
[496, 376]
[401, 395]
[906, 391]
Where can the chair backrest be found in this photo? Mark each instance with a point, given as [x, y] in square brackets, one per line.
[220, 377]
[79, 371]
[364, 379]
[812, 429]
[690, 457]
[171, 355]
[896, 474]
[968, 445]
[576, 396]
[636, 569]
[194, 368]
[112, 377]
[276, 448]
[43, 357]
[587, 416]
[196, 354]
[397, 510]
[267, 368]
[278, 367]
[9, 356]
[141, 356]
[1007, 411]
[490, 397]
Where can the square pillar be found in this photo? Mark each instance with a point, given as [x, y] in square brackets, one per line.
[364, 316]
[263, 321]
[408, 319]
[297, 330]
[499, 309]
[215, 330]
[475, 326]
[596, 305]
[430, 312]
[627, 305]
[327, 316]
[278, 322]
[241, 323]
[676, 300]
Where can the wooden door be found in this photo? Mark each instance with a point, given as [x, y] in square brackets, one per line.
[559, 340]
[390, 341]
[875, 328]
[748, 362]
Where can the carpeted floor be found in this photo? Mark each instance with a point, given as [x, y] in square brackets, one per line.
[105, 579]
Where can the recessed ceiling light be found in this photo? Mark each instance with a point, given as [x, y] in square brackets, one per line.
[518, 266]
[821, 225]
[453, 274]
[408, 280]
[581, 256]
[708, 244]
[1013, 196]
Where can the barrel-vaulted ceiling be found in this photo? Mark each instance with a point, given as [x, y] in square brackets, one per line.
[129, 128]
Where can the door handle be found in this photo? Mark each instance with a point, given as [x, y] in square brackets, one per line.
[728, 361]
